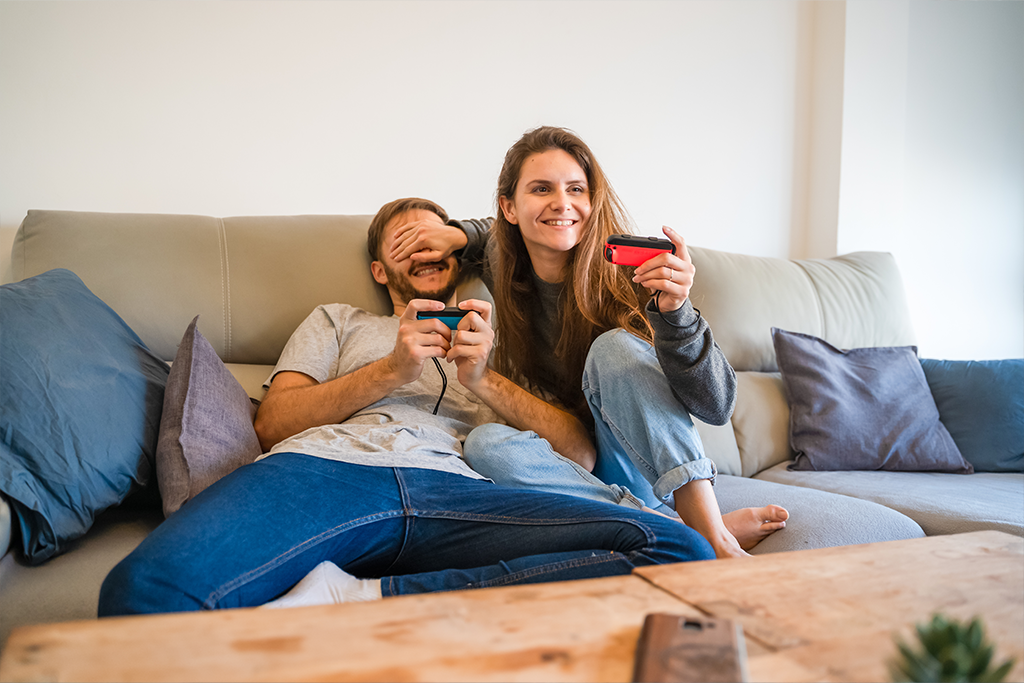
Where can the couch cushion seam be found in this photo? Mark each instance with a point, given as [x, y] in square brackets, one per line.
[225, 282]
[817, 299]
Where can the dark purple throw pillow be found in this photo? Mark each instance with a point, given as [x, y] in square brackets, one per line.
[861, 409]
[206, 428]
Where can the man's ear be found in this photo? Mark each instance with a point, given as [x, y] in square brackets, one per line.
[377, 270]
[509, 209]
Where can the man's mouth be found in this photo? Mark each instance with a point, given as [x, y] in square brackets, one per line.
[427, 270]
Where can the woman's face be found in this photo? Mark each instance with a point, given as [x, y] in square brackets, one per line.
[551, 204]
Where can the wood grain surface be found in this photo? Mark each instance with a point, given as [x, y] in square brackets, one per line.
[831, 614]
[815, 615]
[582, 630]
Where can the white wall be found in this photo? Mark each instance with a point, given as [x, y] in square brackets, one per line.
[762, 127]
[336, 107]
[933, 164]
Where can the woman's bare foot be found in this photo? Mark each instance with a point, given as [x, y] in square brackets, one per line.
[752, 525]
[730, 535]
[722, 540]
[725, 545]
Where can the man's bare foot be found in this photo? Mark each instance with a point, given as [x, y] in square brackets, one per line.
[752, 525]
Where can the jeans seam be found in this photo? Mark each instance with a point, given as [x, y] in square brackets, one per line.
[408, 515]
[403, 491]
[219, 593]
[518, 577]
[530, 521]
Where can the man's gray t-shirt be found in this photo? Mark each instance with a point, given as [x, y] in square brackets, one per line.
[397, 431]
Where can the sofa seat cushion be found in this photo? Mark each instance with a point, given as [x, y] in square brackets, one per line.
[941, 503]
[817, 519]
[67, 587]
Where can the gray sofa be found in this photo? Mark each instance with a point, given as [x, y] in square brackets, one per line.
[252, 280]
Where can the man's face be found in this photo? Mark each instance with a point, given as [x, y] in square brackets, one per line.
[410, 279]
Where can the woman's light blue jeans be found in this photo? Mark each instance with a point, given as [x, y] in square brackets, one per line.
[647, 446]
[255, 533]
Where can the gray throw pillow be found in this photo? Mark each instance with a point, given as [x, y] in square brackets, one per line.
[206, 430]
[861, 409]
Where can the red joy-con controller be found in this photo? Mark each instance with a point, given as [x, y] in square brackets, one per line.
[631, 250]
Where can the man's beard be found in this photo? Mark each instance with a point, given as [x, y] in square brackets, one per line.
[406, 292]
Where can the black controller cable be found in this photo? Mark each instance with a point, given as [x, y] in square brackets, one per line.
[444, 383]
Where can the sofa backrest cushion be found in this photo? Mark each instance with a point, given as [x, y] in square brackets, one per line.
[761, 421]
[851, 301]
[252, 279]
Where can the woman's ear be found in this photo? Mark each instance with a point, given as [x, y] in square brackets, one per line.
[509, 209]
[377, 270]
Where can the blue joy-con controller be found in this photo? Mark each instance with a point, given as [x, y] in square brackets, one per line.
[449, 316]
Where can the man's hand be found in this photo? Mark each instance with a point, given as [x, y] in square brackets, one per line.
[671, 274]
[472, 342]
[426, 241]
[471, 346]
[417, 341]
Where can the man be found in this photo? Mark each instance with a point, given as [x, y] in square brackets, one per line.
[364, 476]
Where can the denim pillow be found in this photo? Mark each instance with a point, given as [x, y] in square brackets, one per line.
[862, 409]
[80, 402]
[981, 403]
[206, 430]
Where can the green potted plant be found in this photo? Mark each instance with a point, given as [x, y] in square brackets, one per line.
[949, 651]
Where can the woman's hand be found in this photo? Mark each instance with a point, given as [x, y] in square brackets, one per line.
[426, 241]
[670, 274]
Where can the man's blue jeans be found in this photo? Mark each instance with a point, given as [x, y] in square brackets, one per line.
[647, 446]
[255, 533]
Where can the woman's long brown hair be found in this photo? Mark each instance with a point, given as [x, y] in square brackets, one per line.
[598, 295]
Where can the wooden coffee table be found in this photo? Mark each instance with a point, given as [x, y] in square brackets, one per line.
[816, 615]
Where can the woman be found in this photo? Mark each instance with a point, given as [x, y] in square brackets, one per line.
[620, 354]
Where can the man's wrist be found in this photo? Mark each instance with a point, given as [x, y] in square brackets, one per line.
[387, 373]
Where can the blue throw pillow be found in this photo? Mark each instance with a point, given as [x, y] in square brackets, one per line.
[80, 402]
[981, 403]
[861, 409]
